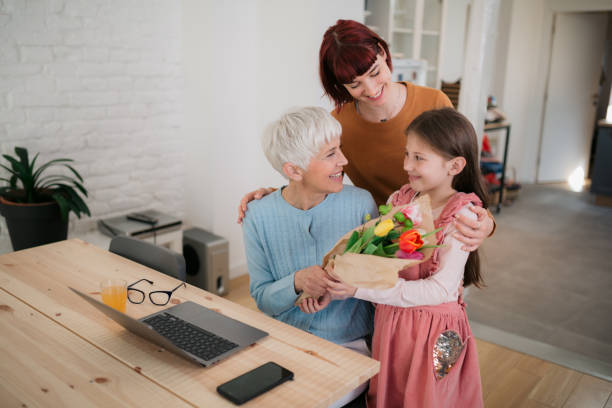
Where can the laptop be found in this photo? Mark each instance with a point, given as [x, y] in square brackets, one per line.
[188, 329]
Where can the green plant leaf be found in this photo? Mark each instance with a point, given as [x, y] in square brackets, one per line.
[33, 162]
[431, 246]
[81, 188]
[369, 250]
[393, 234]
[367, 237]
[7, 169]
[390, 249]
[352, 239]
[63, 190]
[22, 153]
[23, 173]
[384, 208]
[82, 206]
[431, 232]
[45, 182]
[379, 250]
[13, 181]
[356, 246]
[72, 196]
[63, 204]
[399, 217]
[15, 165]
[48, 164]
[377, 240]
[27, 180]
[76, 173]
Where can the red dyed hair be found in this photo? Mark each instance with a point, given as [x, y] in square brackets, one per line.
[348, 50]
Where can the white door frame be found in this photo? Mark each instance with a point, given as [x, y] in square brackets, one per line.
[546, 96]
[550, 8]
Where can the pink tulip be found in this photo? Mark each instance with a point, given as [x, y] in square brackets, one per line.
[405, 255]
[413, 212]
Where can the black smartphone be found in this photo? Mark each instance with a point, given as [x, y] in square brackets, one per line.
[255, 382]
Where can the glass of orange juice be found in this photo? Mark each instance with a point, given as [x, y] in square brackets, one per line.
[114, 293]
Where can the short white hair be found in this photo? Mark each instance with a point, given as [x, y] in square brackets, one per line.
[298, 136]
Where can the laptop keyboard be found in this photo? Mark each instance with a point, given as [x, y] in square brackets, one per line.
[188, 337]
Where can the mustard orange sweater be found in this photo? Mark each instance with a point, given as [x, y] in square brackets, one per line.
[375, 151]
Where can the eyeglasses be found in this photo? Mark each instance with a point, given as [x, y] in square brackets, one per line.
[157, 297]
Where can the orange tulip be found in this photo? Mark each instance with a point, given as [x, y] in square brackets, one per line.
[410, 241]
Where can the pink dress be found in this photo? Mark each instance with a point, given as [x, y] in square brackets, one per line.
[406, 338]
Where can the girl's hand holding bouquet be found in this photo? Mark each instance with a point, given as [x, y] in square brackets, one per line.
[371, 255]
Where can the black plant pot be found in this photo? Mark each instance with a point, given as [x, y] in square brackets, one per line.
[31, 225]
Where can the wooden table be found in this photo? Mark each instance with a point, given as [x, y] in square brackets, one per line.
[57, 350]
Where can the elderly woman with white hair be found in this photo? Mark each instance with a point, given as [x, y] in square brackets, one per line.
[287, 233]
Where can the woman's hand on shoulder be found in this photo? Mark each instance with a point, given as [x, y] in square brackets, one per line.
[253, 195]
[473, 231]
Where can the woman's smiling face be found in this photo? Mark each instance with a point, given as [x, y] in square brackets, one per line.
[325, 171]
[371, 87]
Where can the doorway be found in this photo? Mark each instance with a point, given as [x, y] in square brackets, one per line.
[578, 44]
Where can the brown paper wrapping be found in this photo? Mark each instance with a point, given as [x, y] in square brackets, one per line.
[372, 271]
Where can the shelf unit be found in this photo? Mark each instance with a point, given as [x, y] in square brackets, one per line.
[504, 126]
[414, 29]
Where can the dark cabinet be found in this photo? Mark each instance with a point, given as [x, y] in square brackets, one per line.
[601, 181]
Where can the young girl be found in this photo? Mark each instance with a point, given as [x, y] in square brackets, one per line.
[427, 353]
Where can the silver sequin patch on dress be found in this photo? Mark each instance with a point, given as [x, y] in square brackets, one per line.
[446, 352]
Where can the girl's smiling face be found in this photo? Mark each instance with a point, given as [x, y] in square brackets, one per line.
[427, 169]
[371, 87]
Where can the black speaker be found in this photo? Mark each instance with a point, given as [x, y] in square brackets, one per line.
[207, 260]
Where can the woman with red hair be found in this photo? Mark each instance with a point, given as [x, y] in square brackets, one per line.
[355, 70]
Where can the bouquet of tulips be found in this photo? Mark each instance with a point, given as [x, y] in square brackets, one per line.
[371, 255]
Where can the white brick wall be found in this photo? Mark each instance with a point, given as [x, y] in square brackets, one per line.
[97, 81]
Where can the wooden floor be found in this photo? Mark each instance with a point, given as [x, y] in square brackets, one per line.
[510, 378]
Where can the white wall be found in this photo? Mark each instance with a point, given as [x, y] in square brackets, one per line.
[453, 47]
[246, 62]
[525, 74]
[98, 81]
[499, 57]
[478, 65]
[161, 103]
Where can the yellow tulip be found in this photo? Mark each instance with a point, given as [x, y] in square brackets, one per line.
[383, 228]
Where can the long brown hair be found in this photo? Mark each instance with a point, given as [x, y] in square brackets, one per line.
[451, 134]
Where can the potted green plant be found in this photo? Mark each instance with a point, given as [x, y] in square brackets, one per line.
[36, 204]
